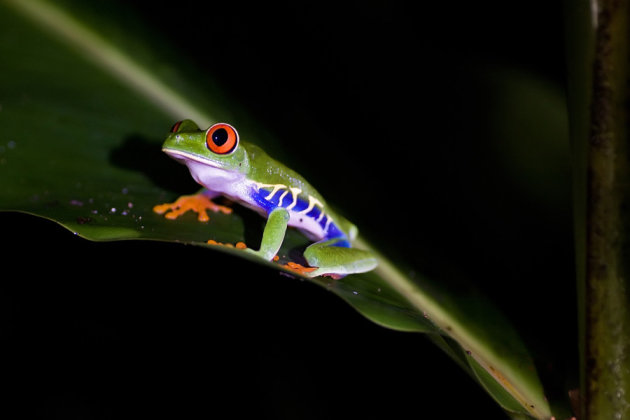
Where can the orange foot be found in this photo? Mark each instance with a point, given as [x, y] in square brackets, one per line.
[298, 268]
[239, 245]
[198, 203]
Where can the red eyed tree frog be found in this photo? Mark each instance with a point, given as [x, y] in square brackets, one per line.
[245, 174]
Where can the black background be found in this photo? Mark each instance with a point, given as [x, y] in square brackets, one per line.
[170, 331]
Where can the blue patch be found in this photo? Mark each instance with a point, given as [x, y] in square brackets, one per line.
[258, 195]
[333, 232]
[343, 243]
[322, 222]
[314, 213]
[275, 199]
[299, 206]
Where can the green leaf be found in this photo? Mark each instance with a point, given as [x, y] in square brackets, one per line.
[81, 146]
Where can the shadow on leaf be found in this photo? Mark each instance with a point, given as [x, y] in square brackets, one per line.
[139, 154]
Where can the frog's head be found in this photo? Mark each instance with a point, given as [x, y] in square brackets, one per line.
[213, 156]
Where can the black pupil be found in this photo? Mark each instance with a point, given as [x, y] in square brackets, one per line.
[220, 136]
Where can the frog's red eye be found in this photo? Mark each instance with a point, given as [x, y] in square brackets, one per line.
[221, 138]
[175, 127]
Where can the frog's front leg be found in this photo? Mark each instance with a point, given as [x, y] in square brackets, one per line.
[337, 261]
[198, 203]
[273, 235]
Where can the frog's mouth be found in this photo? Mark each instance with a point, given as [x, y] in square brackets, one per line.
[185, 157]
[210, 174]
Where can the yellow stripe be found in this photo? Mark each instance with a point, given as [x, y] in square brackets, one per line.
[312, 201]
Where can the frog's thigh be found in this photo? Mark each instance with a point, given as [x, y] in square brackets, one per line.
[332, 259]
[273, 235]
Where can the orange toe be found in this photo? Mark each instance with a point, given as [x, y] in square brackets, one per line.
[298, 268]
[198, 203]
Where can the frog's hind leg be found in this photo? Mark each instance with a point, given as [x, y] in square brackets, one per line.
[335, 257]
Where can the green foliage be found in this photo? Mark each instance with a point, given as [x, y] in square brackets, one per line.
[80, 146]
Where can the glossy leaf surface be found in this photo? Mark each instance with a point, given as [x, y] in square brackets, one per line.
[81, 147]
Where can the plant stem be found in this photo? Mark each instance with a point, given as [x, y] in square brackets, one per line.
[606, 321]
